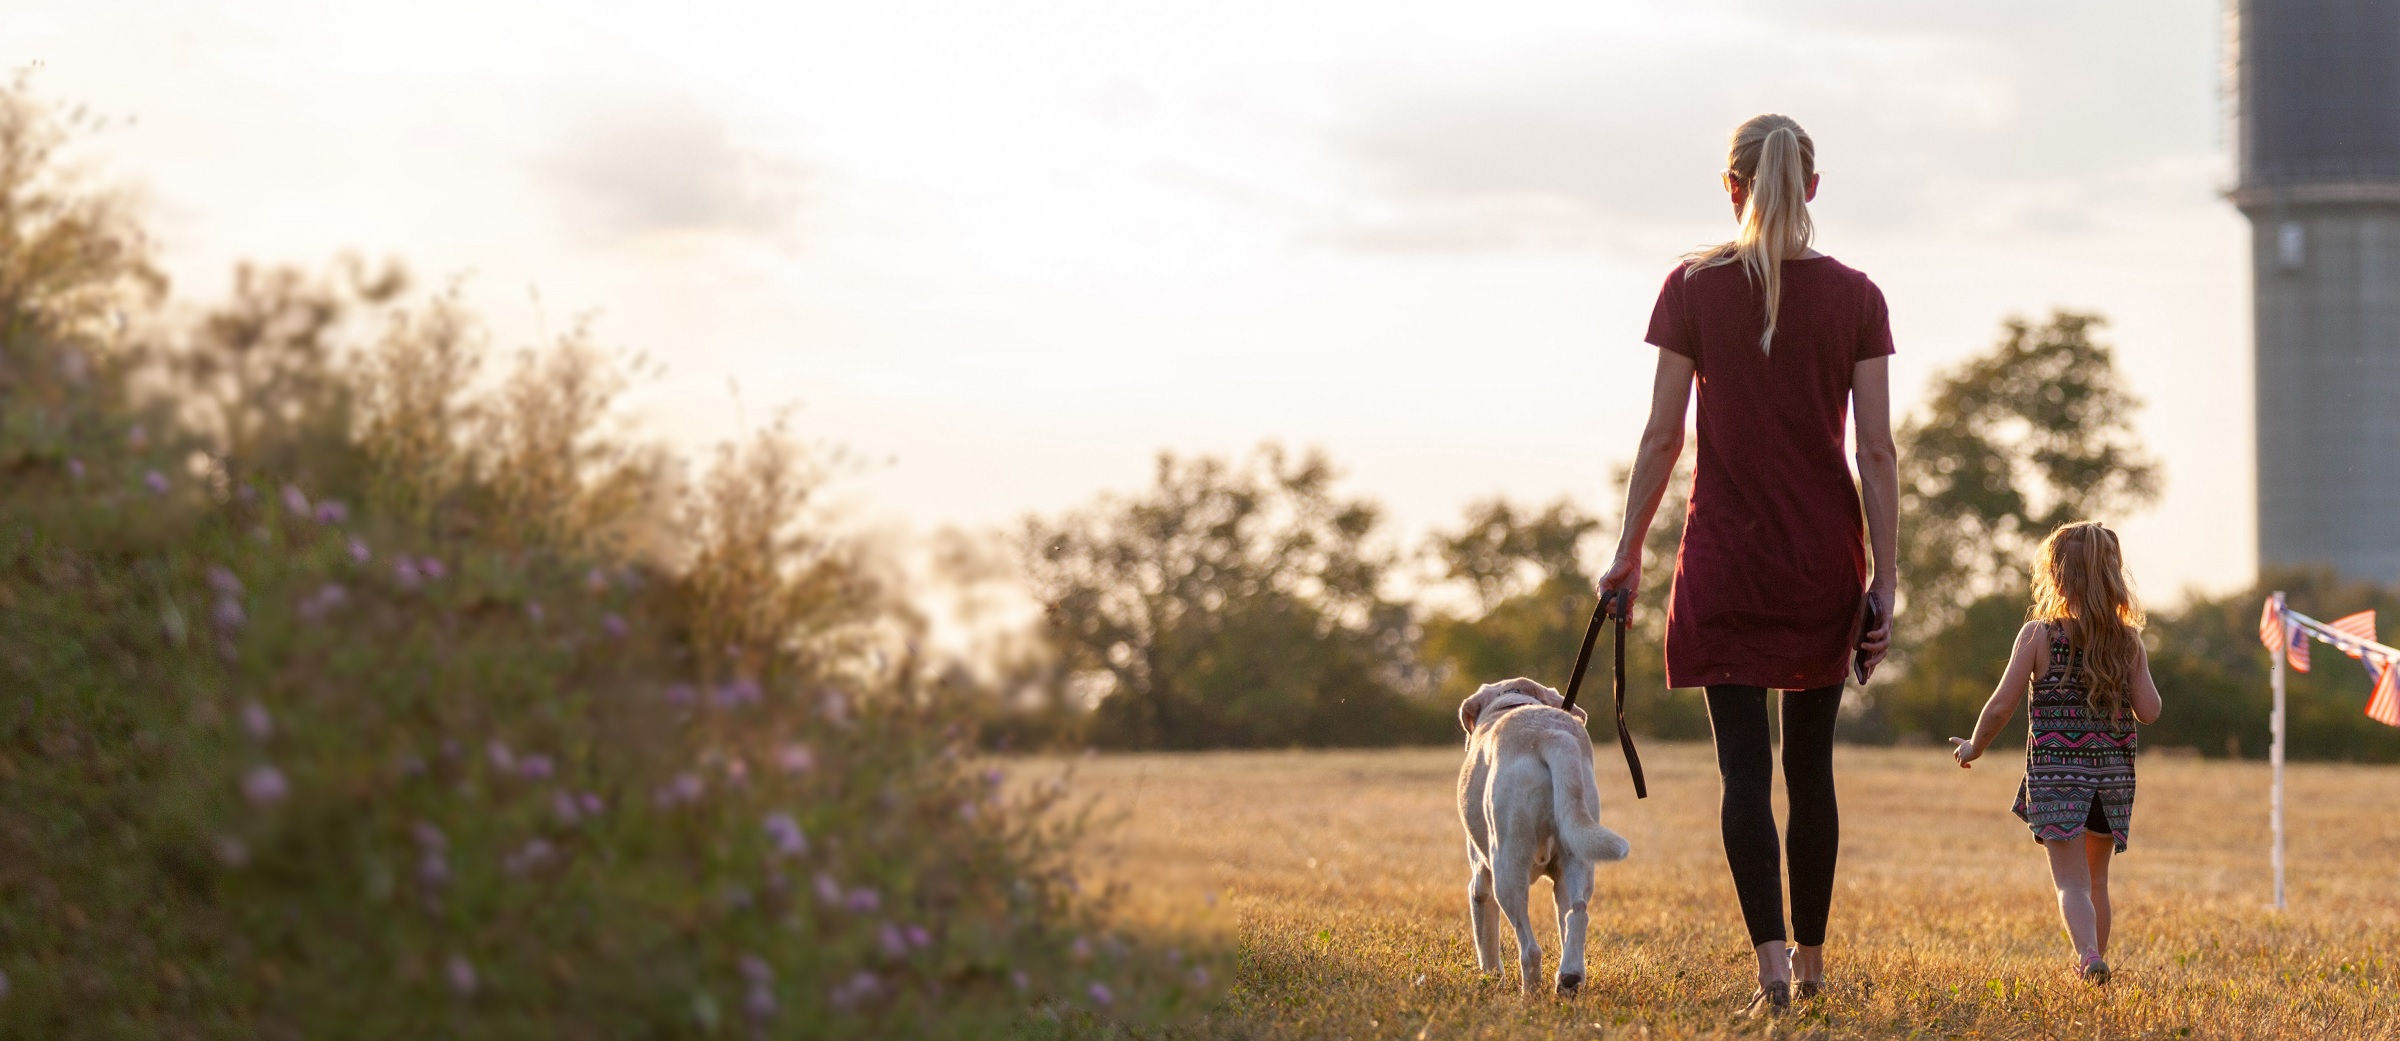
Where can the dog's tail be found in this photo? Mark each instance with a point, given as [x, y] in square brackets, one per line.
[1575, 799]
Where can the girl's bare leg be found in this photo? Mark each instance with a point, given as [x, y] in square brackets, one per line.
[1808, 964]
[2071, 872]
[2096, 851]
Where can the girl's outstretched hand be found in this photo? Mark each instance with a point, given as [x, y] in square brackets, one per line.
[1965, 752]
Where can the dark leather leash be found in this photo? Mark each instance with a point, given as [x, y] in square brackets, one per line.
[1622, 600]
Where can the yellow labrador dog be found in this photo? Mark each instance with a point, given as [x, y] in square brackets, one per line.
[1529, 803]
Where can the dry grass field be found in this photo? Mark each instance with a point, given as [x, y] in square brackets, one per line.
[1342, 878]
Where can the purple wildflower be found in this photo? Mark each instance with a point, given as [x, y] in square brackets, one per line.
[681, 695]
[433, 869]
[432, 568]
[737, 772]
[496, 752]
[756, 970]
[862, 900]
[359, 553]
[294, 501]
[533, 611]
[428, 836]
[829, 892]
[138, 436]
[224, 581]
[264, 785]
[859, 988]
[796, 759]
[785, 833]
[535, 767]
[614, 625]
[686, 787]
[895, 945]
[967, 811]
[562, 806]
[590, 804]
[534, 854]
[1199, 977]
[738, 693]
[595, 580]
[229, 615]
[462, 975]
[1101, 995]
[993, 777]
[1018, 979]
[156, 481]
[317, 605]
[917, 936]
[75, 471]
[404, 571]
[331, 511]
[759, 1003]
[255, 720]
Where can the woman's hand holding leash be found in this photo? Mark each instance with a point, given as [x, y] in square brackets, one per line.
[1626, 575]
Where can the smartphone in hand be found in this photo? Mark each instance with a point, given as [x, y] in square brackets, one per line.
[1859, 655]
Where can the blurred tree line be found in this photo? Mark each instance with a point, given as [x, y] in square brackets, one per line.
[1243, 603]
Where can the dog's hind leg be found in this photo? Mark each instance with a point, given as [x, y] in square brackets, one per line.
[1513, 875]
[1483, 915]
[1572, 888]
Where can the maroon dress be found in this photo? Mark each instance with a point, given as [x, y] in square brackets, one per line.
[1771, 576]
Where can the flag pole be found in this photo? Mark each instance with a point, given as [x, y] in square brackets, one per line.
[2275, 757]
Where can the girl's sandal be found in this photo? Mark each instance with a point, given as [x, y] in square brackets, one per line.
[2094, 971]
[1771, 999]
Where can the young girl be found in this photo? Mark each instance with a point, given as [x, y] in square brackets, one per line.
[2081, 654]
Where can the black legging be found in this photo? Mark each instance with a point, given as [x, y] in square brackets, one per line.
[1745, 762]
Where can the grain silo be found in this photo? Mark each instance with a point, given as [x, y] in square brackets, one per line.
[2318, 152]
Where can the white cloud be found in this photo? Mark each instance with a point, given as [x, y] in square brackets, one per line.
[666, 167]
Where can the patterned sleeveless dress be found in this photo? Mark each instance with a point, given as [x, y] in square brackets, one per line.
[2078, 768]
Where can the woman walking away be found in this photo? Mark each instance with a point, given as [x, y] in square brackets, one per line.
[1771, 580]
[2082, 656]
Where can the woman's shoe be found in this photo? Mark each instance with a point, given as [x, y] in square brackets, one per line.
[1772, 999]
[2094, 971]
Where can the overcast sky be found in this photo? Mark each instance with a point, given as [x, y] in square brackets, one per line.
[1010, 251]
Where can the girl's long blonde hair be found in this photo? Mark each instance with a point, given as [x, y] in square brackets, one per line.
[2079, 585]
[1773, 159]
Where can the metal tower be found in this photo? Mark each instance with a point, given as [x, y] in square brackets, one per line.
[2318, 149]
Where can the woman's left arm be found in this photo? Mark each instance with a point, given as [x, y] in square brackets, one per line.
[1879, 485]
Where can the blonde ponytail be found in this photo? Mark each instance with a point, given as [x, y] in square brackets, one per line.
[1773, 159]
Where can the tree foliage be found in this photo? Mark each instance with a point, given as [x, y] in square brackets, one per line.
[1233, 603]
[2030, 435]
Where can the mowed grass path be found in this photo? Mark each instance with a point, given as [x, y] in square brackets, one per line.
[1342, 878]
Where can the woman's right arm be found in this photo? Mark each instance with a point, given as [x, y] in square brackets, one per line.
[1653, 467]
[2014, 682]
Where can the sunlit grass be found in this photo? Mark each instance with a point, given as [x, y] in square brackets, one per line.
[1345, 877]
